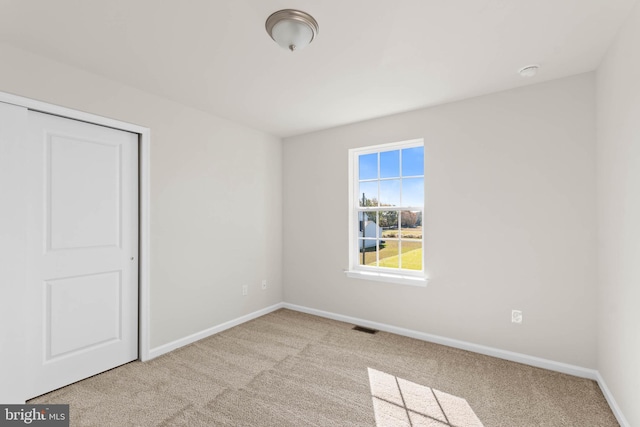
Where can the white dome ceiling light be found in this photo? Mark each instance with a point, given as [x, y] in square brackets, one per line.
[292, 29]
[529, 70]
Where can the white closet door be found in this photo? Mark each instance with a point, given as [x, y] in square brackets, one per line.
[82, 280]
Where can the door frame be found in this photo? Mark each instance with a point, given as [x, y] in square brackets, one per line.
[144, 148]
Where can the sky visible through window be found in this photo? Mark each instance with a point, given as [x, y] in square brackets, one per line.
[399, 174]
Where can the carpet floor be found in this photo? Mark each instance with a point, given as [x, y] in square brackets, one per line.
[292, 369]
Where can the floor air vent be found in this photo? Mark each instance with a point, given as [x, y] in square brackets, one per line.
[365, 330]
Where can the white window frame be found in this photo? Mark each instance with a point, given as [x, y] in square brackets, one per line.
[380, 274]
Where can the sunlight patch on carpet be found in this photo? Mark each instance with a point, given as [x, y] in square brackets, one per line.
[398, 402]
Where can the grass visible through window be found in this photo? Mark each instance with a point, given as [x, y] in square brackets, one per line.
[411, 260]
[389, 257]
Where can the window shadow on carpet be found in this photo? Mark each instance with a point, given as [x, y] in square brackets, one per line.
[398, 402]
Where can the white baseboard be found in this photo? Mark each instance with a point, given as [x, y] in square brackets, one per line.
[166, 348]
[612, 402]
[463, 345]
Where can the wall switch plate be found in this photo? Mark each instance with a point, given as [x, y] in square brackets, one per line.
[245, 290]
[264, 284]
[516, 316]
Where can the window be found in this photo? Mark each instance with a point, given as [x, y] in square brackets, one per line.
[386, 212]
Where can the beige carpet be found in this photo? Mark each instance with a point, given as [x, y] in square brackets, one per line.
[293, 369]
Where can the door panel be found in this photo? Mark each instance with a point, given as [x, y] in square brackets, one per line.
[82, 281]
[92, 299]
[82, 212]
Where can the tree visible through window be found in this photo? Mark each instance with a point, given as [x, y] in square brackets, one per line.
[388, 205]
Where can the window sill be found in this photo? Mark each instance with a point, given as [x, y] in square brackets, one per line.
[388, 278]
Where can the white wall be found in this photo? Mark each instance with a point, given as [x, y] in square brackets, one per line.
[216, 196]
[13, 224]
[618, 97]
[510, 221]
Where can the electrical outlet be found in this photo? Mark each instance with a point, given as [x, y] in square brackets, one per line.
[245, 290]
[516, 316]
[264, 284]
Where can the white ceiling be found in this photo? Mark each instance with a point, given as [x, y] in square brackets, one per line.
[371, 57]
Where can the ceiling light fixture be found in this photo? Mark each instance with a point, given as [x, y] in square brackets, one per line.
[529, 70]
[291, 29]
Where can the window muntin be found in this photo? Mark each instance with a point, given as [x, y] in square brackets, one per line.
[387, 208]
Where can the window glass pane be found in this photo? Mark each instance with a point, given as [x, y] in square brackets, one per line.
[368, 194]
[368, 166]
[367, 217]
[390, 164]
[388, 221]
[371, 216]
[389, 254]
[411, 223]
[367, 252]
[412, 254]
[413, 192]
[390, 192]
[413, 161]
[369, 228]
